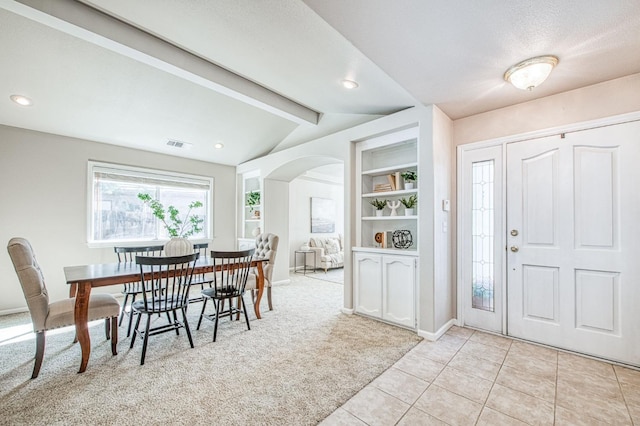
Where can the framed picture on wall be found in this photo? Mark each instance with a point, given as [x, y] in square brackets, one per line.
[323, 211]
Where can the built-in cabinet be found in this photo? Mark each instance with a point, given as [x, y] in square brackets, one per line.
[386, 249]
[385, 286]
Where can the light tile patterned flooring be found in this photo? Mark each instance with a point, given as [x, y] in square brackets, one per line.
[472, 378]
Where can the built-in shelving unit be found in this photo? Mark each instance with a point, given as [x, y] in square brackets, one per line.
[251, 213]
[379, 166]
[385, 275]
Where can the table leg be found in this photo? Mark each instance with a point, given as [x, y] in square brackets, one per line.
[81, 316]
[256, 305]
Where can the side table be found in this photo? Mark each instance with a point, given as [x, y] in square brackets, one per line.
[304, 254]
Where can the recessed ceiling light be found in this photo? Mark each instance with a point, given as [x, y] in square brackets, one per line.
[530, 73]
[349, 84]
[218, 146]
[21, 100]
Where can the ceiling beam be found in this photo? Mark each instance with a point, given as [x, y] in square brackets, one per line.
[87, 23]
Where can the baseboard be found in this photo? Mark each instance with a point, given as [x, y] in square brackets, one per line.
[14, 311]
[347, 311]
[435, 336]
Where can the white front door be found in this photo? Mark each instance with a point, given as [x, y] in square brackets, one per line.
[573, 239]
[481, 242]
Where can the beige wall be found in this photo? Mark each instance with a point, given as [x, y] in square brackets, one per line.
[44, 197]
[589, 103]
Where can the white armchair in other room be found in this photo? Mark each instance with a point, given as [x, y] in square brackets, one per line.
[328, 251]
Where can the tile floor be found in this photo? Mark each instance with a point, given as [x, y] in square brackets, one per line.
[472, 378]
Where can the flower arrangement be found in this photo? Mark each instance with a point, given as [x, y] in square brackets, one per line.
[175, 226]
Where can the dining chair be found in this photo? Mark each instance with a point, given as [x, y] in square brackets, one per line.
[165, 285]
[232, 269]
[46, 315]
[266, 247]
[132, 289]
[204, 279]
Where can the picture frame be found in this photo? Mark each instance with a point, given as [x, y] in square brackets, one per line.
[322, 216]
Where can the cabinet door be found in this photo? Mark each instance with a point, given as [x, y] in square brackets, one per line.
[368, 282]
[398, 290]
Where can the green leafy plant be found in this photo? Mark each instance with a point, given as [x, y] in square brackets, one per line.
[409, 176]
[410, 202]
[378, 204]
[253, 199]
[175, 226]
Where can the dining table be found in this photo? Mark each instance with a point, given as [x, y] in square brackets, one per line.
[83, 278]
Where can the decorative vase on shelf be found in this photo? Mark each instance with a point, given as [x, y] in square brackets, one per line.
[408, 212]
[178, 246]
[408, 185]
[256, 231]
[378, 213]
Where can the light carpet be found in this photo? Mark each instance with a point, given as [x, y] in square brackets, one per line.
[335, 275]
[294, 367]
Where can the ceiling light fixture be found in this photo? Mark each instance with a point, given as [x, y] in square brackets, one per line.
[532, 72]
[21, 100]
[218, 146]
[349, 84]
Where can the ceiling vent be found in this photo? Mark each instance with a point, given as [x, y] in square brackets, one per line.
[179, 144]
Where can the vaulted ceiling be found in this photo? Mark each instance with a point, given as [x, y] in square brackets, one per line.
[261, 76]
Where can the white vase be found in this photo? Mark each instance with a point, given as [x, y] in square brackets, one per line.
[378, 212]
[177, 246]
[408, 212]
[408, 185]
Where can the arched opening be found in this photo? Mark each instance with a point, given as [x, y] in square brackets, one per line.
[288, 191]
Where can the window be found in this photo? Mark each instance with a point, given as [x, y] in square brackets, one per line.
[483, 236]
[116, 214]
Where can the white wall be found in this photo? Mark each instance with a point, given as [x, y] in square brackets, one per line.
[301, 190]
[44, 193]
[275, 195]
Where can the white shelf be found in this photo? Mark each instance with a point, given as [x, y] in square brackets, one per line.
[390, 193]
[402, 252]
[399, 217]
[386, 170]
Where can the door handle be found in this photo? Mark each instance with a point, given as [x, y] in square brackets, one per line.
[514, 249]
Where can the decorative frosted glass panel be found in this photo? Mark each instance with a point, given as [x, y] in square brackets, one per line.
[482, 230]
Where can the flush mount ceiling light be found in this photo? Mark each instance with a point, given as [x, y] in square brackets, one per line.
[21, 100]
[218, 146]
[349, 84]
[530, 73]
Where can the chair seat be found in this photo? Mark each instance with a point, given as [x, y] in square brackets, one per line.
[100, 306]
[224, 292]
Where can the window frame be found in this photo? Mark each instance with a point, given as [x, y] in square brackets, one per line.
[93, 166]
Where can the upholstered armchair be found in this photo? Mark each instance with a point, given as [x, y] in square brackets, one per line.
[328, 251]
[47, 316]
[266, 246]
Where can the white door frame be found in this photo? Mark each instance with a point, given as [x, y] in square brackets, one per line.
[461, 149]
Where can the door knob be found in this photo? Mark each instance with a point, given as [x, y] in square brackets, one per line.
[514, 232]
[514, 249]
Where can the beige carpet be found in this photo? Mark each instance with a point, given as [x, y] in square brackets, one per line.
[296, 366]
[335, 275]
